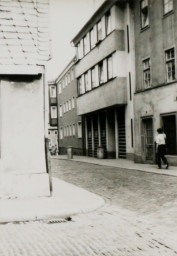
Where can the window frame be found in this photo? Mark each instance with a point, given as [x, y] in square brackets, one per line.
[168, 61]
[165, 4]
[143, 25]
[145, 70]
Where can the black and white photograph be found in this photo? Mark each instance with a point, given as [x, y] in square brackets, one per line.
[88, 127]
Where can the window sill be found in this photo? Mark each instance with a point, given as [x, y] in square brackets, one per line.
[155, 87]
[168, 14]
[145, 28]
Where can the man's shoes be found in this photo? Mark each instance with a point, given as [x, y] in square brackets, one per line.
[167, 166]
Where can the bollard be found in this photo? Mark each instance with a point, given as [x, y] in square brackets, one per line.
[69, 152]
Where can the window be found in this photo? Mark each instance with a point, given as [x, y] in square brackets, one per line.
[170, 64]
[59, 88]
[108, 23]
[61, 133]
[53, 112]
[80, 49]
[79, 129]
[99, 31]
[70, 130]
[73, 102]
[168, 6]
[64, 108]
[146, 73]
[60, 111]
[63, 83]
[69, 104]
[74, 130]
[144, 13]
[87, 81]
[81, 85]
[52, 91]
[93, 81]
[86, 44]
[92, 39]
[65, 131]
[101, 72]
[110, 67]
[68, 78]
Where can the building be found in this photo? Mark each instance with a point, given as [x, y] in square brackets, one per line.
[105, 73]
[53, 119]
[24, 47]
[70, 125]
[156, 77]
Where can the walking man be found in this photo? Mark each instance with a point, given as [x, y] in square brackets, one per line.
[161, 148]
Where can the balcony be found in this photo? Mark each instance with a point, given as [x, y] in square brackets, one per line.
[112, 93]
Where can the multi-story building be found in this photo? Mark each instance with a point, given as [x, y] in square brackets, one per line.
[105, 80]
[70, 125]
[53, 119]
[156, 77]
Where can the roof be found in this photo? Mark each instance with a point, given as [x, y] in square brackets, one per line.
[107, 4]
[24, 33]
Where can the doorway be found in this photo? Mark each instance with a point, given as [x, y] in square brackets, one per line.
[169, 126]
[147, 138]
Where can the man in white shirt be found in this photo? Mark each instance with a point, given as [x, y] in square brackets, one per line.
[161, 148]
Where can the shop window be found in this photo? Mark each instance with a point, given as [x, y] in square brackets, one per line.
[168, 6]
[144, 13]
[146, 73]
[170, 64]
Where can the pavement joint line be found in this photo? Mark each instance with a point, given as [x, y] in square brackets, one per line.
[119, 167]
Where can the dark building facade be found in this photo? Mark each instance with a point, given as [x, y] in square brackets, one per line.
[70, 124]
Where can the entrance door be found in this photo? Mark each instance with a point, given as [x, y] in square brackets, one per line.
[147, 137]
[169, 125]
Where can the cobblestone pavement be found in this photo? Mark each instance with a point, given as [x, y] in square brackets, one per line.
[139, 217]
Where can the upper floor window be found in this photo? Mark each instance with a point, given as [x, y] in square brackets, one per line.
[72, 74]
[80, 49]
[168, 6]
[99, 31]
[61, 133]
[60, 111]
[101, 72]
[69, 104]
[73, 102]
[69, 78]
[170, 64]
[52, 91]
[144, 13]
[53, 112]
[87, 81]
[74, 130]
[146, 73]
[59, 88]
[110, 67]
[86, 44]
[92, 38]
[108, 23]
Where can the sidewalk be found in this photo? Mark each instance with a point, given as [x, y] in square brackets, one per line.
[66, 200]
[122, 163]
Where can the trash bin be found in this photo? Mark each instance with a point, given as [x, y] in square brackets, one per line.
[100, 152]
[69, 152]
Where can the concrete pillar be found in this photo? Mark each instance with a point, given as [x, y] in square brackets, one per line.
[22, 162]
[99, 131]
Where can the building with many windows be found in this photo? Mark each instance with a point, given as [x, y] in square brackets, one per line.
[53, 119]
[105, 80]
[70, 125]
[156, 79]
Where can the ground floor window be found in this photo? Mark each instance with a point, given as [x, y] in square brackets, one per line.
[169, 124]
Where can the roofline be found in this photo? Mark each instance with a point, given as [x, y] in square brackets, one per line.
[95, 18]
[70, 64]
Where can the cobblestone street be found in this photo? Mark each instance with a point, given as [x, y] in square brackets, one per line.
[139, 217]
